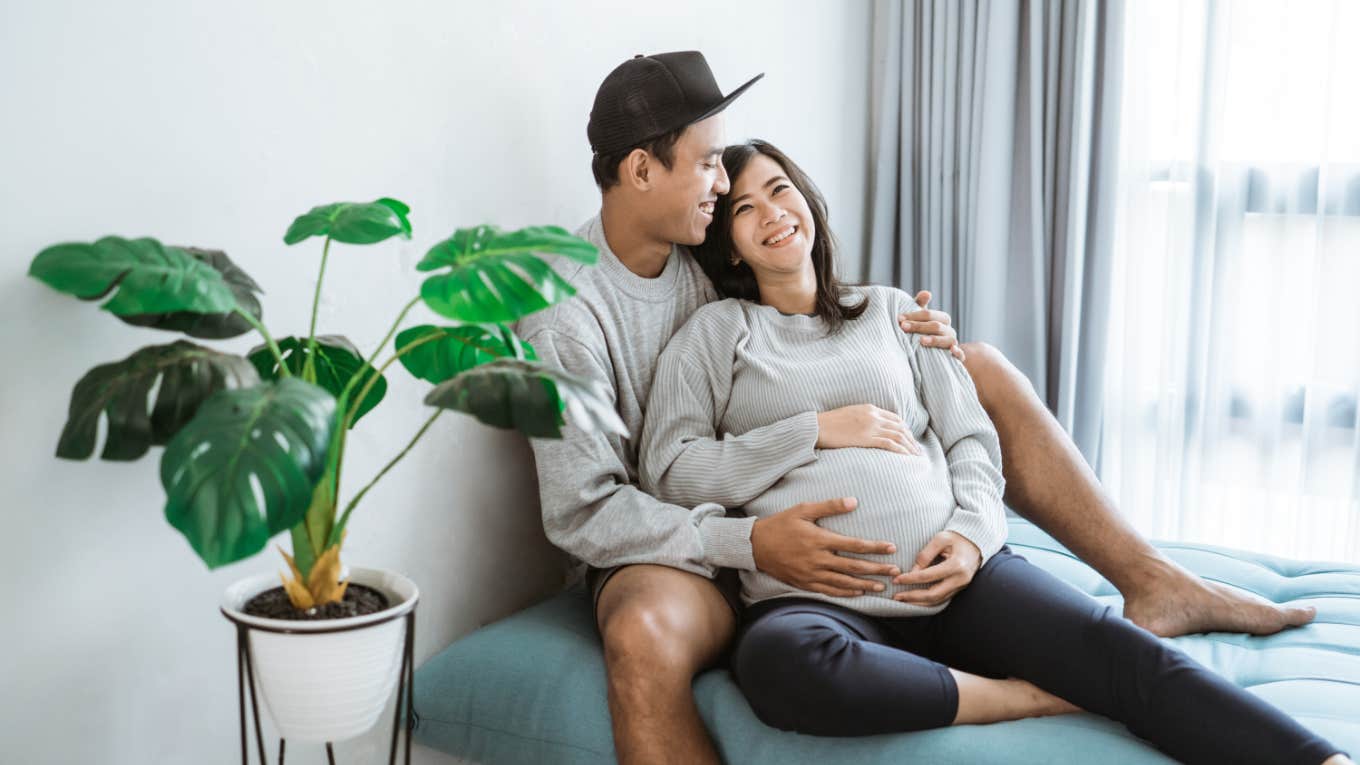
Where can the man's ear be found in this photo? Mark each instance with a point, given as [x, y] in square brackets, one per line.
[636, 169]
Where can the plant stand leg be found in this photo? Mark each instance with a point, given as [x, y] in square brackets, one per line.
[282, 741]
[405, 693]
[410, 722]
[330, 754]
[246, 679]
[241, 687]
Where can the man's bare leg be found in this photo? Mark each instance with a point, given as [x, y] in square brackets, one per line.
[660, 626]
[1049, 483]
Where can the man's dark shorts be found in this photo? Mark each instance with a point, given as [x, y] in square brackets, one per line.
[728, 582]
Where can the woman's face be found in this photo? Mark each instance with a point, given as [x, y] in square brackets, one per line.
[772, 227]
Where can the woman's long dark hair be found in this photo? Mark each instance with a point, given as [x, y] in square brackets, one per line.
[739, 281]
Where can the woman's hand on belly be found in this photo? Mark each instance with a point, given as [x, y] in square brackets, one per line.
[867, 426]
[946, 564]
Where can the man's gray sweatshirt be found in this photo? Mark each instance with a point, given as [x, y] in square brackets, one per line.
[732, 419]
[612, 331]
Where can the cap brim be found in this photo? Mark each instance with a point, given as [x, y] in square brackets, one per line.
[728, 99]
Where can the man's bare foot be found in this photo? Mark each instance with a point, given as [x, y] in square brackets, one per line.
[1176, 602]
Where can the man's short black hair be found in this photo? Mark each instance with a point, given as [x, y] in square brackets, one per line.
[606, 166]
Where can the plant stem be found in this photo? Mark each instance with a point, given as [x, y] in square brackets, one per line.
[354, 406]
[339, 456]
[354, 409]
[309, 366]
[344, 517]
[350, 385]
[268, 340]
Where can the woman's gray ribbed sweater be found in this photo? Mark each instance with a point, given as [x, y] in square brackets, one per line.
[732, 418]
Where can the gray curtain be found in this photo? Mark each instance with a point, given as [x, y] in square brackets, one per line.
[992, 170]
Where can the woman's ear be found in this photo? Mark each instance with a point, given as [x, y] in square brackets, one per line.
[637, 169]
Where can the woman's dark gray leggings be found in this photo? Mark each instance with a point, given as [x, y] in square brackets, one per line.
[814, 667]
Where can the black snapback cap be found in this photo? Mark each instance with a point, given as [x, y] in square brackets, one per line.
[647, 96]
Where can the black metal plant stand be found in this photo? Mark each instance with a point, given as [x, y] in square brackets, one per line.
[245, 678]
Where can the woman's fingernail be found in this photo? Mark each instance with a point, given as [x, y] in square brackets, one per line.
[878, 588]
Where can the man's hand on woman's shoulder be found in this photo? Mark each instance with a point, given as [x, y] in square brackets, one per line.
[933, 326]
[792, 548]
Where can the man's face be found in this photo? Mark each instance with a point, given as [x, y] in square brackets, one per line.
[683, 196]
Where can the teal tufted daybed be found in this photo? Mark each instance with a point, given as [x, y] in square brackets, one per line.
[530, 689]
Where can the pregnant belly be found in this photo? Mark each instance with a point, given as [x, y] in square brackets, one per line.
[903, 499]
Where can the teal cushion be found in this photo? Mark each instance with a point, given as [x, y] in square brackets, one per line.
[530, 689]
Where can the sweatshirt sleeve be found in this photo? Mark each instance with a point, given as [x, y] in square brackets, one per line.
[971, 446]
[592, 510]
[683, 459]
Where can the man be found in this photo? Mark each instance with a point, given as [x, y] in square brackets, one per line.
[661, 574]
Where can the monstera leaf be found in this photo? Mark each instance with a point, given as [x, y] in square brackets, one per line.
[529, 397]
[495, 276]
[188, 375]
[244, 468]
[150, 277]
[435, 354]
[211, 325]
[337, 360]
[352, 222]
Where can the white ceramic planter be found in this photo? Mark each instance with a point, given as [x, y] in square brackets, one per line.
[326, 680]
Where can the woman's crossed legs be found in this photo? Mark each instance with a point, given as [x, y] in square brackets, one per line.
[818, 668]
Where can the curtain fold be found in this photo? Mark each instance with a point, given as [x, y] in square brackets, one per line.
[992, 126]
[1234, 366]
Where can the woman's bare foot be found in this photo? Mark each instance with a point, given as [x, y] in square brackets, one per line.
[1174, 602]
[987, 700]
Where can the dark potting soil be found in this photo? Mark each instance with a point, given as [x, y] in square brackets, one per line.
[358, 601]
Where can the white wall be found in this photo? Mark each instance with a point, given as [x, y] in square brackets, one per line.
[214, 124]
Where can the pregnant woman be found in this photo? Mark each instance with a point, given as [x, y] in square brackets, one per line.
[795, 388]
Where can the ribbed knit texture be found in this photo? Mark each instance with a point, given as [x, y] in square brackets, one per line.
[612, 331]
[732, 418]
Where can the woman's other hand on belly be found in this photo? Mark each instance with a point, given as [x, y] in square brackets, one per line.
[867, 426]
[944, 566]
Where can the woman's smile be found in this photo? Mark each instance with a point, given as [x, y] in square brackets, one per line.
[781, 238]
[772, 227]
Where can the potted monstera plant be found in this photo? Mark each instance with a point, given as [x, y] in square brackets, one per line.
[254, 445]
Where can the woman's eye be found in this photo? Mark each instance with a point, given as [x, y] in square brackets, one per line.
[779, 188]
[741, 209]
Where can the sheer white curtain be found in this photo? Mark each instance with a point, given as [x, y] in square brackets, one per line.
[1233, 365]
